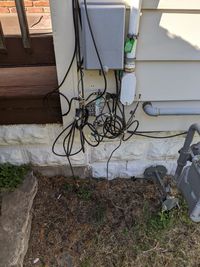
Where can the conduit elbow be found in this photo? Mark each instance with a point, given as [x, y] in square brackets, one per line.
[194, 128]
[150, 110]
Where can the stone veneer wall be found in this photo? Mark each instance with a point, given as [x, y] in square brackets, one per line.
[21, 144]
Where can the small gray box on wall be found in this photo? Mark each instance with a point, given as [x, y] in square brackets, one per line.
[108, 25]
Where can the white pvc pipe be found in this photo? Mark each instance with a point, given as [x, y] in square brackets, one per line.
[135, 9]
[150, 110]
[129, 81]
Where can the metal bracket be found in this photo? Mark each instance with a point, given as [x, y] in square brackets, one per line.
[157, 173]
[23, 24]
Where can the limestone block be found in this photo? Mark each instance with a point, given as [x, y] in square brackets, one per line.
[127, 151]
[43, 156]
[23, 134]
[15, 223]
[14, 155]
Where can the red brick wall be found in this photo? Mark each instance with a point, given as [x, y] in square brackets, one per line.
[34, 6]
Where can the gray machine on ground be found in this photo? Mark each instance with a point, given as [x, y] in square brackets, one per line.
[187, 176]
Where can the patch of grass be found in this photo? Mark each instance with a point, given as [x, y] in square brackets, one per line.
[125, 232]
[83, 192]
[99, 213]
[155, 239]
[160, 221]
[11, 176]
[155, 227]
[85, 263]
[167, 220]
[69, 188]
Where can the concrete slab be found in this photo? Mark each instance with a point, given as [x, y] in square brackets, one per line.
[15, 223]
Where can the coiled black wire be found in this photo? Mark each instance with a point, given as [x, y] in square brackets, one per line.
[80, 122]
[110, 124]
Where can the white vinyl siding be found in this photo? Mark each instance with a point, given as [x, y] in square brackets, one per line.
[168, 52]
[168, 58]
[172, 4]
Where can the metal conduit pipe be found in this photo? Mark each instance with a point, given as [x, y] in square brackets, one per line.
[184, 152]
[23, 23]
[150, 110]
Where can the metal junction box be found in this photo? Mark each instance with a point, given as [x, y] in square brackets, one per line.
[108, 26]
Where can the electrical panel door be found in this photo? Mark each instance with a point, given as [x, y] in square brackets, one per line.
[108, 25]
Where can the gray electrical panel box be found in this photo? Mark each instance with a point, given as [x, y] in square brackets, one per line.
[108, 26]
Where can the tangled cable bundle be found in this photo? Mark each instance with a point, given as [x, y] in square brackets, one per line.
[110, 123]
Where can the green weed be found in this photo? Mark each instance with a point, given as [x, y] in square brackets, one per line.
[84, 193]
[86, 263]
[99, 213]
[69, 188]
[160, 221]
[11, 176]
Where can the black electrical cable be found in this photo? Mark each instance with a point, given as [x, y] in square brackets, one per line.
[66, 74]
[111, 122]
[109, 159]
[37, 22]
[97, 53]
[133, 132]
[72, 59]
[81, 120]
[77, 36]
[156, 137]
[69, 138]
[75, 8]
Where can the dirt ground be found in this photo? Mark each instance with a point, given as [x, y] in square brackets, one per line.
[96, 223]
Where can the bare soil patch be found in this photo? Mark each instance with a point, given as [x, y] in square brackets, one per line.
[96, 223]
